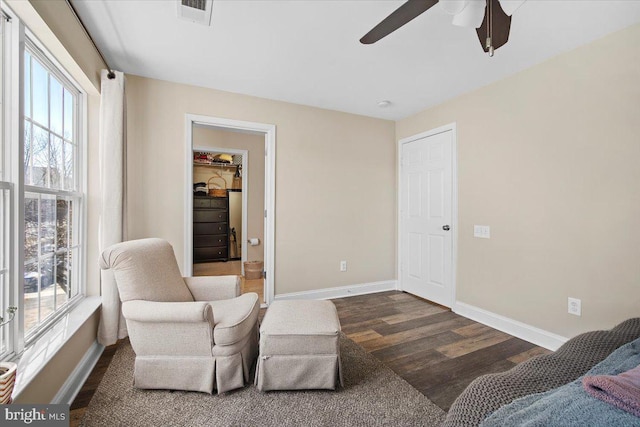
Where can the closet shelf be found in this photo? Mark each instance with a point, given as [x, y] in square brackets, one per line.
[216, 165]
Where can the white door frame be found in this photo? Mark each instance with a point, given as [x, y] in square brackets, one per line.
[269, 132]
[245, 182]
[454, 202]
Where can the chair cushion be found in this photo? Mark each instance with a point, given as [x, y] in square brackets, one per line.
[234, 318]
[146, 269]
[300, 327]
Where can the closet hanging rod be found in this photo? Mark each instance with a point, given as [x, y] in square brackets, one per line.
[111, 75]
[220, 165]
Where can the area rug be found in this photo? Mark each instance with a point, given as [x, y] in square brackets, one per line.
[373, 395]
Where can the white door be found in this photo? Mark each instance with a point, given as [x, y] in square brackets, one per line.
[426, 201]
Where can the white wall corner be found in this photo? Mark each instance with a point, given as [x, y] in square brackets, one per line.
[342, 291]
[78, 377]
[534, 335]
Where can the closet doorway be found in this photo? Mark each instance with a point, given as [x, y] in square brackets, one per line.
[219, 214]
[230, 196]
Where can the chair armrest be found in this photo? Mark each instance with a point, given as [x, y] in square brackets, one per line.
[159, 329]
[168, 312]
[213, 288]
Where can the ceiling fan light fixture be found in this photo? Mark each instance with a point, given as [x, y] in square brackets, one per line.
[510, 6]
[471, 16]
[453, 7]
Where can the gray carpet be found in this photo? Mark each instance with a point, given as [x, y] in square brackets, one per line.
[373, 396]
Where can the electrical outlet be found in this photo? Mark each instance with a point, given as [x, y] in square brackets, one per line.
[343, 265]
[574, 306]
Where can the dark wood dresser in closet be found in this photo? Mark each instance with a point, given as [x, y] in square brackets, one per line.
[210, 229]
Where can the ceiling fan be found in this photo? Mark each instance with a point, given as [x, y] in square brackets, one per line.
[491, 18]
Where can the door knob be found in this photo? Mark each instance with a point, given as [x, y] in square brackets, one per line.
[446, 227]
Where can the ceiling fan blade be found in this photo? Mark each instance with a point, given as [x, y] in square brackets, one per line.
[397, 19]
[501, 25]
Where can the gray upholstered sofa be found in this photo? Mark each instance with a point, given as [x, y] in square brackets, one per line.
[573, 359]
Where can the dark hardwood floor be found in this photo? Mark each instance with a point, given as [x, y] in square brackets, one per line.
[435, 350]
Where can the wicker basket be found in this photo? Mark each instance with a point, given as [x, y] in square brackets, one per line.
[217, 192]
[253, 270]
[7, 381]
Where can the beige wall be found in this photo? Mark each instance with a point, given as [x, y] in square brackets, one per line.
[549, 159]
[52, 20]
[204, 137]
[335, 181]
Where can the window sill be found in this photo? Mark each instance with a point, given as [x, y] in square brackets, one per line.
[36, 356]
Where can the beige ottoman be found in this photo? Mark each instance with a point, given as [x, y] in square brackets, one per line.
[299, 347]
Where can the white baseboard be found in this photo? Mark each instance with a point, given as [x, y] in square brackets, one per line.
[342, 291]
[518, 329]
[76, 380]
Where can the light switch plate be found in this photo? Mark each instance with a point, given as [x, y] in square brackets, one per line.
[482, 231]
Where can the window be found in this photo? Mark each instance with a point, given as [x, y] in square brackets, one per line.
[5, 282]
[52, 241]
[5, 212]
[41, 190]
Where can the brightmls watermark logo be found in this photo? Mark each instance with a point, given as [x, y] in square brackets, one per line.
[34, 415]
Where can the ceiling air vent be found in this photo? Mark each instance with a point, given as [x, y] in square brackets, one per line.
[195, 11]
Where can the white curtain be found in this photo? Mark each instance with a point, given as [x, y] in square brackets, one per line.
[112, 227]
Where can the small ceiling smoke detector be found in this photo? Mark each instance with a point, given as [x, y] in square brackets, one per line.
[384, 104]
[195, 11]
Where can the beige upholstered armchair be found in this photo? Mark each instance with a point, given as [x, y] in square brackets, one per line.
[192, 333]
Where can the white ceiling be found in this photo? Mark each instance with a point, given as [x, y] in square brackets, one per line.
[307, 52]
